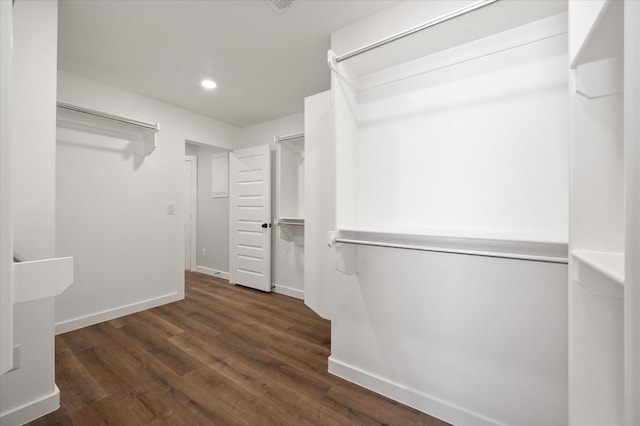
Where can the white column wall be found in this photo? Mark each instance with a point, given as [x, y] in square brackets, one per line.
[29, 391]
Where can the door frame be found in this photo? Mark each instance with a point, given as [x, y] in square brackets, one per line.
[180, 146]
[193, 189]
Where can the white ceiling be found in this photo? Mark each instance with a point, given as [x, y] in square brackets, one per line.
[264, 61]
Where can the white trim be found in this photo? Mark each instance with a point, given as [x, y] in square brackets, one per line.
[212, 272]
[181, 146]
[288, 291]
[33, 410]
[95, 318]
[28, 283]
[414, 398]
[194, 209]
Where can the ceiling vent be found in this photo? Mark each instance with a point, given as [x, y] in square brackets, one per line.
[280, 6]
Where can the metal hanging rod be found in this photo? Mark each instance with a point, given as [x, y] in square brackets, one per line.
[532, 258]
[75, 108]
[413, 30]
[279, 139]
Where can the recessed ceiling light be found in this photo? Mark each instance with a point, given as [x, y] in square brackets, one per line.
[208, 84]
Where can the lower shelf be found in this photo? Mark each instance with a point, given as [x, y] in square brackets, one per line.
[294, 221]
[602, 273]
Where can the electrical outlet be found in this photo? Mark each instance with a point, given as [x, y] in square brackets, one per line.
[204, 251]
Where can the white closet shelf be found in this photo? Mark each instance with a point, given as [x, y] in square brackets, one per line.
[456, 242]
[294, 142]
[294, 221]
[459, 233]
[609, 268]
[38, 279]
[79, 117]
[604, 39]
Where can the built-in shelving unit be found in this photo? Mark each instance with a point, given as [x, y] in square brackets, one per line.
[454, 242]
[597, 238]
[290, 180]
[407, 157]
[79, 117]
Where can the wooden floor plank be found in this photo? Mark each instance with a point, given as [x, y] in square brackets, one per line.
[225, 355]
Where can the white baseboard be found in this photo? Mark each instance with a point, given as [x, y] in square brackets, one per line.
[31, 411]
[413, 398]
[212, 272]
[91, 319]
[288, 291]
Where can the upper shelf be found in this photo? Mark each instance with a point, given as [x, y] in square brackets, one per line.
[599, 31]
[464, 242]
[607, 265]
[75, 116]
[492, 19]
[294, 142]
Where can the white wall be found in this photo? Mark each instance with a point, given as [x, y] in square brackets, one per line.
[29, 391]
[287, 245]
[34, 80]
[468, 339]
[112, 207]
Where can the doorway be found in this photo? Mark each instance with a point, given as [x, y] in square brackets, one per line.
[205, 209]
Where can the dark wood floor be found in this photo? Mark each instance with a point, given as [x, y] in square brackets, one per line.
[225, 355]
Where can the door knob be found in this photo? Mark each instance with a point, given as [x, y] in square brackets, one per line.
[266, 225]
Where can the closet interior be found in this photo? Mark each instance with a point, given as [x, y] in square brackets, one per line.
[289, 241]
[290, 180]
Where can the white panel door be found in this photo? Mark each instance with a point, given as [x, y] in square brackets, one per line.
[250, 217]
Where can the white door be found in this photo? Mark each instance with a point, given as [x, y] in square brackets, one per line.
[250, 218]
[190, 194]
